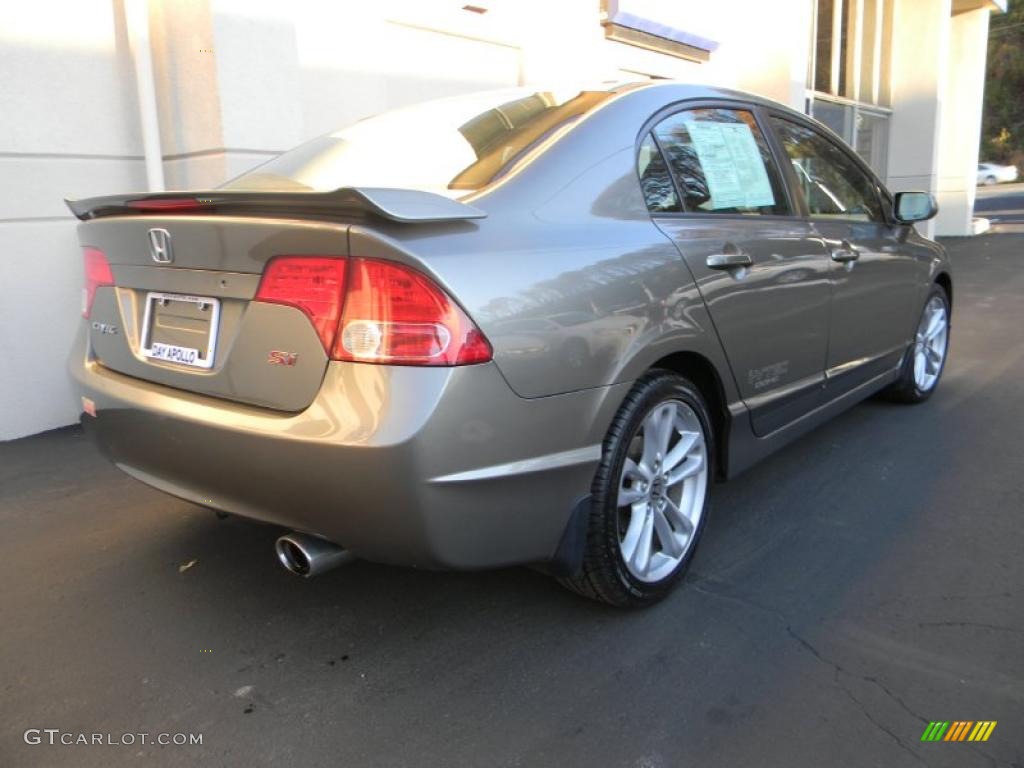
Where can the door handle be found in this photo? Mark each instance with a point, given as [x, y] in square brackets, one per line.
[844, 254]
[728, 260]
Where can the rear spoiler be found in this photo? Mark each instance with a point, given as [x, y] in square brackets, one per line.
[405, 206]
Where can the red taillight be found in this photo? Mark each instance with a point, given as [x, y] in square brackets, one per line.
[314, 284]
[97, 273]
[167, 204]
[392, 314]
[397, 316]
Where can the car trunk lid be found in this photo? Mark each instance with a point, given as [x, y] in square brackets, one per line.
[192, 323]
[186, 268]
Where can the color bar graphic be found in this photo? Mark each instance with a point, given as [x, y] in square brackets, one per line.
[958, 730]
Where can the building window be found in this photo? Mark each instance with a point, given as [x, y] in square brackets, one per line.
[821, 73]
[848, 81]
[852, 40]
[863, 127]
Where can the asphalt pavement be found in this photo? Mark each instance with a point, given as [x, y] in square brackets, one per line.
[849, 590]
[1002, 204]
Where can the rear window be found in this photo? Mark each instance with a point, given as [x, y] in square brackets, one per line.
[460, 143]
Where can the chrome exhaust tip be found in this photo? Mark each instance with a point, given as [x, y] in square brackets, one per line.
[309, 556]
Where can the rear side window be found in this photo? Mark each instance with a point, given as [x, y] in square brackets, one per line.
[832, 184]
[659, 192]
[721, 162]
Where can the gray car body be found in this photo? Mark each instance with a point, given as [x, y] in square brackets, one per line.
[483, 465]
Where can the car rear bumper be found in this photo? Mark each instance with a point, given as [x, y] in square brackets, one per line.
[429, 467]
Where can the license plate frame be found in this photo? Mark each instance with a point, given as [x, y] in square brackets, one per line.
[188, 357]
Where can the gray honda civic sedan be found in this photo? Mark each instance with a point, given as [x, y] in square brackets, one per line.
[518, 327]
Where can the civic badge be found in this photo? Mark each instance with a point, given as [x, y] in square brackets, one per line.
[105, 328]
[160, 246]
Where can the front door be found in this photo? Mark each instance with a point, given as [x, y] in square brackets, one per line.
[876, 278]
[762, 271]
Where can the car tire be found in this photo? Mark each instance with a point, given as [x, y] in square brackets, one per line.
[631, 559]
[990, 180]
[925, 361]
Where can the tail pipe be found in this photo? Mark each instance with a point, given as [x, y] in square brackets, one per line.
[309, 556]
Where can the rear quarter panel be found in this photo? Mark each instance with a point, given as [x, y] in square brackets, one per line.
[565, 307]
[568, 277]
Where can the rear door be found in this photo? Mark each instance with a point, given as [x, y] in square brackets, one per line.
[876, 277]
[760, 268]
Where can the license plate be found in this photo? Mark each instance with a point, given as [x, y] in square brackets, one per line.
[173, 354]
[180, 329]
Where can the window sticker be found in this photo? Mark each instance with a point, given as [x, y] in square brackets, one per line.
[732, 165]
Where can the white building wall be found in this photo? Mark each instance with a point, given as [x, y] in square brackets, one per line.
[919, 67]
[764, 48]
[67, 100]
[960, 132]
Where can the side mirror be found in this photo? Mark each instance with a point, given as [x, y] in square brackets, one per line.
[915, 206]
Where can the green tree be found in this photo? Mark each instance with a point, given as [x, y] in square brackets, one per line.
[1002, 127]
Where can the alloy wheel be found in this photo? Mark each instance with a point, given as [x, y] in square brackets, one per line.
[930, 344]
[661, 491]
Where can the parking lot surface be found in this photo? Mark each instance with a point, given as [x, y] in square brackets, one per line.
[859, 584]
[1002, 205]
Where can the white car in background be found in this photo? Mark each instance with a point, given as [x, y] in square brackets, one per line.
[994, 173]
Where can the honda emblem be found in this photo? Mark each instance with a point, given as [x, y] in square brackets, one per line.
[160, 246]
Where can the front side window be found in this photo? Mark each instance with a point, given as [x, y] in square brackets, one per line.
[721, 162]
[832, 184]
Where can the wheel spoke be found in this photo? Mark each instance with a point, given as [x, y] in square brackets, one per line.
[687, 442]
[679, 520]
[693, 465]
[641, 558]
[633, 469]
[636, 523]
[657, 430]
[670, 545]
[935, 324]
[629, 496]
[666, 426]
[919, 368]
[630, 489]
[650, 449]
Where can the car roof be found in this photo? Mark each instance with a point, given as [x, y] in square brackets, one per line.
[673, 90]
[690, 90]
